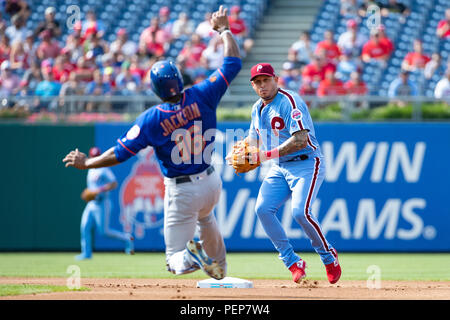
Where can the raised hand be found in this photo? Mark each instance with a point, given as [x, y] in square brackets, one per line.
[219, 20]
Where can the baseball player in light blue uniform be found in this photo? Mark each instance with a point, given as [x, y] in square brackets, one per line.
[96, 212]
[282, 125]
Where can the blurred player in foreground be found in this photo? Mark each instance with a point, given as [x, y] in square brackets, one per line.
[99, 182]
[176, 130]
[282, 125]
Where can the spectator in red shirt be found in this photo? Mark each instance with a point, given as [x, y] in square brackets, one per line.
[136, 68]
[154, 39]
[443, 27]
[356, 86]
[48, 48]
[63, 67]
[374, 49]
[330, 46]
[415, 60]
[307, 89]
[384, 39]
[331, 86]
[191, 55]
[93, 25]
[5, 48]
[314, 72]
[83, 70]
[239, 29]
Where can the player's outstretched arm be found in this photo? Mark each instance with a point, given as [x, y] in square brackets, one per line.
[219, 22]
[80, 161]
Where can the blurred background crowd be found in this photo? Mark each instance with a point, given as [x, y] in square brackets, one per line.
[57, 58]
[38, 62]
[339, 60]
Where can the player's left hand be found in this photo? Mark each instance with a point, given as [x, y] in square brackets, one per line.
[76, 159]
[219, 19]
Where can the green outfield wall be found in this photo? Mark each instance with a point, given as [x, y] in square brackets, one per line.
[40, 207]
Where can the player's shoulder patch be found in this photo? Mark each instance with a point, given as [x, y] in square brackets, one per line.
[133, 133]
[296, 114]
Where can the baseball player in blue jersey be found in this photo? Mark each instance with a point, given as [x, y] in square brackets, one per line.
[99, 182]
[180, 131]
[283, 127]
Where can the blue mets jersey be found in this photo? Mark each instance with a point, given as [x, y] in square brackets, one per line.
[97, 178]
[274, 123]
[181, 134]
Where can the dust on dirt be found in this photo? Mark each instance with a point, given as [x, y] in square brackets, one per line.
[186, 289]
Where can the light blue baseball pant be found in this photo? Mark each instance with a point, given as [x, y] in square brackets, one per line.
[95, 214]
[300, 180]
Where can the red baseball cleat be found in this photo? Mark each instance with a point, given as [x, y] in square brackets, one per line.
[298, 270]
[333, 271]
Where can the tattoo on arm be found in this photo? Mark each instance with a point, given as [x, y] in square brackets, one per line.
[297, 141]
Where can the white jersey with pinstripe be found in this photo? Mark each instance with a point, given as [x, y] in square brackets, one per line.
[275, 122]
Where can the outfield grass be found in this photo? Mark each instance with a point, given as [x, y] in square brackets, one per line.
[421, 267]
[17, 289]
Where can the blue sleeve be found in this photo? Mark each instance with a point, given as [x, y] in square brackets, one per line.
[136, 138]
[212, 89]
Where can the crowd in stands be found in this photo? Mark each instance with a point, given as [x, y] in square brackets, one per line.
[39, 63]
[334, 68]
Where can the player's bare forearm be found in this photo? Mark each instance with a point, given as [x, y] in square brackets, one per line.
[106, 159]
[297, 141]
[219, 22]
[231, 48]
[80, 161]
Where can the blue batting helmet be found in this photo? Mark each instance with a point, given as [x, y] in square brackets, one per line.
[166, 80]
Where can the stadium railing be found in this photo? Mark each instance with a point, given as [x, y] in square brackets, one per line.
[135, 104]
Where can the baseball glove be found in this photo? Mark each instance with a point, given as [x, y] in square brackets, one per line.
[88, 195]
[243, 157]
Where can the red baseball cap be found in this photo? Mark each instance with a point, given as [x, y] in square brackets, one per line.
[121, 31]
[235, 9]
[352, 23]
[164, 11]
[262, 69]
[94, 152]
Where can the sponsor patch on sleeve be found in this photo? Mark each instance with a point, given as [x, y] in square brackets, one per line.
[296, 115]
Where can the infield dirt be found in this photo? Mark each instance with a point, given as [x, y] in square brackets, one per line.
[185, 289]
